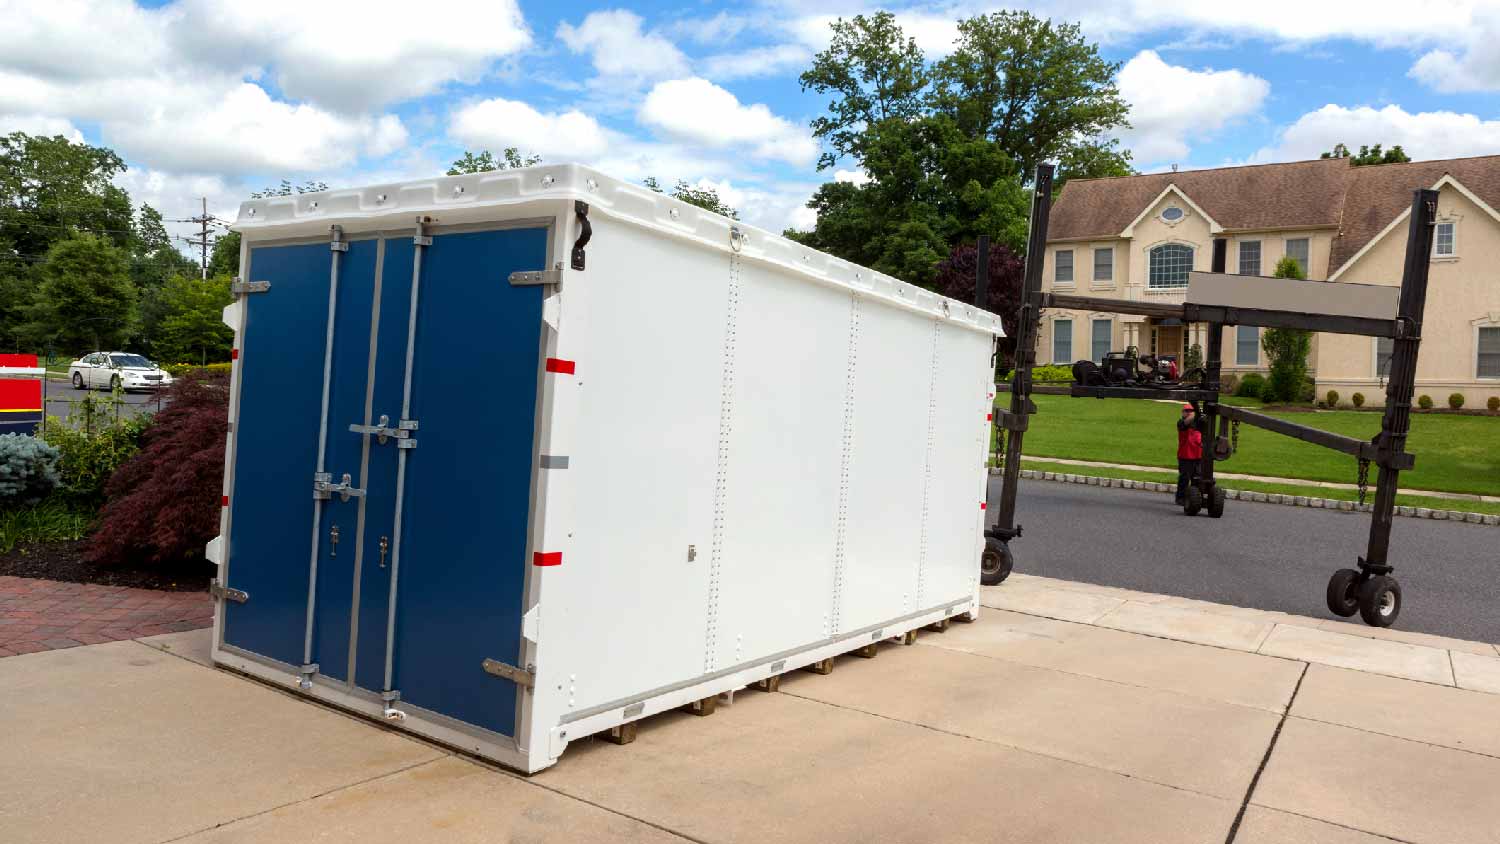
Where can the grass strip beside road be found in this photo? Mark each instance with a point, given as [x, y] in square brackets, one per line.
[1454, 453]
[1262, 486]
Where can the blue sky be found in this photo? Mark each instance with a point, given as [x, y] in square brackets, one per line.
[217, 98]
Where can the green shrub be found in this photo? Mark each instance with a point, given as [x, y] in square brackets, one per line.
[28, 469]
[1193, 359]
[1227, 383]
[1424, 402]
[51, 520]
[1054, 372]
[91, 444]
[1251, 386]
[1493, 404]
[1332, 398]
[177, 370]
[1358, 399]
[1455, 400]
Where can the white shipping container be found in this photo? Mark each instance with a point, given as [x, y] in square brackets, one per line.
[507, 503]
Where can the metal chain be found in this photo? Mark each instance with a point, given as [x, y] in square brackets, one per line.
[1000, 448]
[1364, 479]
[1234, 436]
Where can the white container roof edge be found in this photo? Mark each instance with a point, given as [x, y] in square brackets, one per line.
[470, 198]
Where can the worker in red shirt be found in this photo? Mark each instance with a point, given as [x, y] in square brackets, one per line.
[1189, 450]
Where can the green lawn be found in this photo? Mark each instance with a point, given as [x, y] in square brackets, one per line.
[1454, 453]
[1261, 486]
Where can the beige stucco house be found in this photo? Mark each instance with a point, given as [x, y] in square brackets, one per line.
[1137, 237]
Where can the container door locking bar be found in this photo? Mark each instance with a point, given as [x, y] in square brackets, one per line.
[383, 431]
[525, 677]
[220, 592]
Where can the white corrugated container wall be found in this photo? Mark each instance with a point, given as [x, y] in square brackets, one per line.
[772, 456]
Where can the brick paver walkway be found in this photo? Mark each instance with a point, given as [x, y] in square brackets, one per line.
[43, 615]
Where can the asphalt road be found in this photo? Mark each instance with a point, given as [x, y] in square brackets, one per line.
[62, 398]
[1267, 556]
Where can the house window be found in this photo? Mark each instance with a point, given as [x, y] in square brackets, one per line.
[1172, 214]
[1298, 248]
[1064, 269]
[1246, 345]
[1104, 331]
[1384, 348]
[1488, 365]
[1249, 257]
[1104, 264]
[1062, 341]
[1443, 245]
[1170, 265]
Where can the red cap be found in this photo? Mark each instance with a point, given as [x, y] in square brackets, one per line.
[1187, 407]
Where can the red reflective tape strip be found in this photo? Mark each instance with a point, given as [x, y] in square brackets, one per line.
[553, 558]
[224, 502]
[983, 505]
[234, 354]
[989, 417]
[565, 367]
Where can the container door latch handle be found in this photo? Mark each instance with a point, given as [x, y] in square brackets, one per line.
[324, 488]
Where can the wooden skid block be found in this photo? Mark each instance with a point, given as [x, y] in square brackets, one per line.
[940, 626]
[967, 617]
[868, 651]
[706, 706]
[822, 666]
[623, 734]
[770, 684]
[909, 637]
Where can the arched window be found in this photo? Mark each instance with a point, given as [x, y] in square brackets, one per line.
[1170, 265]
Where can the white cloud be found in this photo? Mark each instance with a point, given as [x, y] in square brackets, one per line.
[853, 177]
[352, 58]
[699, 111]
[1424, 135]
[37, 124]
[558, 136]
[760, 61]
[1172, 105]
[620, 49]
[1475, 67]
[715, 30]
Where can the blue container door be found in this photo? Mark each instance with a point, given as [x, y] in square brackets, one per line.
[466, 501]
[276, 452]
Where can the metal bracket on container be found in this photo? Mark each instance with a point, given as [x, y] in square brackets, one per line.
[520, 676]
[532, 277]
[337, 242]
[581, 211]
[422, 238]
[383, 431]
[221, 592]
[306, 673]
[324, 488]
[238, 287]
[736, 238]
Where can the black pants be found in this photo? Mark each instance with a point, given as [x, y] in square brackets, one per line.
[1187, 469]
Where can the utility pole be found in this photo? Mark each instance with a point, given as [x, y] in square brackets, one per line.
[203, 220]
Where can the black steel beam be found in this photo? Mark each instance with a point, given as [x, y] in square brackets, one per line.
[1184, 394]
[1362, 449]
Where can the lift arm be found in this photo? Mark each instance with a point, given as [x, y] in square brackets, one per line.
[1363, 449]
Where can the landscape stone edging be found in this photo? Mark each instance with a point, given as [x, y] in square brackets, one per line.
[1270, 498]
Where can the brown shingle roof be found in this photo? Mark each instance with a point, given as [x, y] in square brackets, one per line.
[1301, 194]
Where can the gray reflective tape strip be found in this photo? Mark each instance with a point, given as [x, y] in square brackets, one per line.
[554, 461]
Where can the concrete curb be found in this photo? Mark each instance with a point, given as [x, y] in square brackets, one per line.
[1263, 497]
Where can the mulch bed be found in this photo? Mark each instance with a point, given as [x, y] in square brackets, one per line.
[64, 561]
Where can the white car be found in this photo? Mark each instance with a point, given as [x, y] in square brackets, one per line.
[105, 370]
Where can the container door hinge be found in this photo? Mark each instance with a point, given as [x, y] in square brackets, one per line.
[383, 431]
[240, 288]
[528, 278]
[220, 592]
[336, 242]
[586, 231]
[324, 488]
[520, 676]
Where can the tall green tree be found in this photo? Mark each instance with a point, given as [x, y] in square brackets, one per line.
[84, 297]
[1369, 155]
[190, 328]
[286, 188]
[225, 257]
[1286, 348]
[484, 162]
[874, 72]
[706, 198]
[153, 258]
[1036, 88]
[51, 188]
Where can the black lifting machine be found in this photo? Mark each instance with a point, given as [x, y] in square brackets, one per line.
[1221, 300]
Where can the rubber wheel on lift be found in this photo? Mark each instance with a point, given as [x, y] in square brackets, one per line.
[1216, 503]
[996, 562]
[78, 380]
[1343, 593]
[1380, 601]
[1194, 501]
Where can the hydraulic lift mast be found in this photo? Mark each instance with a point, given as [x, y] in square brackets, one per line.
[1368, 589]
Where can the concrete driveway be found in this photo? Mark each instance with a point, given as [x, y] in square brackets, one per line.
[1075, 714]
